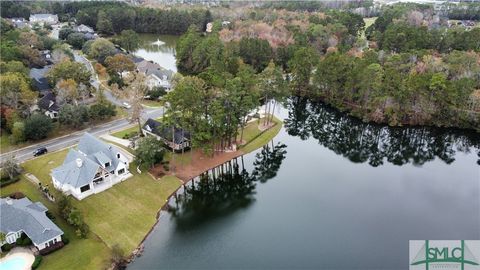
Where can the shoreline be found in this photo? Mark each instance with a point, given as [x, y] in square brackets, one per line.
[137, 252]
[355, 111]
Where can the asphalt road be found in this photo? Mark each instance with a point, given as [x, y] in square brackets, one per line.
[59, 143]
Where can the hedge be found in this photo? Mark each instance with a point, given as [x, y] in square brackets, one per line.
[36, 263]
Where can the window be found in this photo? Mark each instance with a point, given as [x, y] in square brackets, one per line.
[121, 171]
[107, 164]
[85, 188]
[118, 155]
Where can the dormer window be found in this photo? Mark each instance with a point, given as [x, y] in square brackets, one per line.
[107, 164]
[118, 155]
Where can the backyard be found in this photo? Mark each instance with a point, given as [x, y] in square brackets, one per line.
[121, 215]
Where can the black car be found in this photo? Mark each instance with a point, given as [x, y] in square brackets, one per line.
[40, 151]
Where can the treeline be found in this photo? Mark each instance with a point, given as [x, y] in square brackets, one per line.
[403, 28]
[464, 11]
[403, 88]
[114, 17]
[317, 5]
[375, 144]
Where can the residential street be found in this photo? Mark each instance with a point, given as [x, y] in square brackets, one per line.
[55, 144]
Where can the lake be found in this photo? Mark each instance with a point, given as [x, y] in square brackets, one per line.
[329, 192]
[159, 49]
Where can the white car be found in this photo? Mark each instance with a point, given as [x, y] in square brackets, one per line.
[126, 105]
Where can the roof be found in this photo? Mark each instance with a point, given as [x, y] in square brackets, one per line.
[39, 80]
[77, 170]
[81, 165]
[43, 16]
[137, 60]
[151, 68]
[24, 215]
[165, 132]
[84, 29]
[48, 102]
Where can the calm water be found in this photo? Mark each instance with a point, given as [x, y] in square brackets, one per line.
[329, 192]
[162, 53]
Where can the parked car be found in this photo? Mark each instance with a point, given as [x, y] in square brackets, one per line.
[126, 105]
[40, 151]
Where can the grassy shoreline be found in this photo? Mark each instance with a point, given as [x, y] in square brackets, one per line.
[122, 216]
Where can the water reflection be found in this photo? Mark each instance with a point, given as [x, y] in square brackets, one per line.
[159, 49]
[224, 189]
[376, 144]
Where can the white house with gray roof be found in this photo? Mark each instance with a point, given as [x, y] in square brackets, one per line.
[92, 168]
[24, 216]
[43, 18]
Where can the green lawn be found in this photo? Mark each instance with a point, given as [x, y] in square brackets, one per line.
[152, 103]
[90, 253]
[121, 133]
[256, 138]
[368, 22]
[121, 215]
[5, 144]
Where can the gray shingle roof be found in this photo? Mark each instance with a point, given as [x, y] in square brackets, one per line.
[93, 154]
[166, 132]
[22, 214]
[74, 175]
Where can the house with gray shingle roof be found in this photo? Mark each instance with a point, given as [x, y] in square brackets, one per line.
[91, 168]
[156, 75]
[43, 18]
[24, 216]
[174, 138]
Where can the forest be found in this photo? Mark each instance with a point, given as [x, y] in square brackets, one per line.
[113, 17]
[410, 67]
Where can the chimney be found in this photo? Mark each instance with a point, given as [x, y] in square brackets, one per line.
[79, 162]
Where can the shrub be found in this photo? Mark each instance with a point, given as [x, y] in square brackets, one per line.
[17, 195]
[23, 240]
[7, 247]
[38, 126]
[49, 215]
[36, 263]
[65, 239]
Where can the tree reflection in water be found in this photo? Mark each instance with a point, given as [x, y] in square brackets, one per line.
[224, 189]
[364, 142]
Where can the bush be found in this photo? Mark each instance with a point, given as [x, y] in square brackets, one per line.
[23, 240]
[36, 263]
[38, 126]
[130, 135]
[65, 239]
[49, 215]
[7, 247]
[17, 195]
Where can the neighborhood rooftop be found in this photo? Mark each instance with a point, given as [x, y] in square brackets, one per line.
[24, 215]
[165, 132]
[80, 166]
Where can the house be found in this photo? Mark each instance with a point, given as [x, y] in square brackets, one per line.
[19, 216]
[164, 133]
[43, 18]
[38, 75]
[156, 75]
[82, 28]
[19, 22]
[92, 168]
[48, 104]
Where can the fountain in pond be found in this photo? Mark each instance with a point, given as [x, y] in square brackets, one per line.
[158, 42]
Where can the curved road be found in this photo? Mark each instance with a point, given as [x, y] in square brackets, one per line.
[59, 143]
